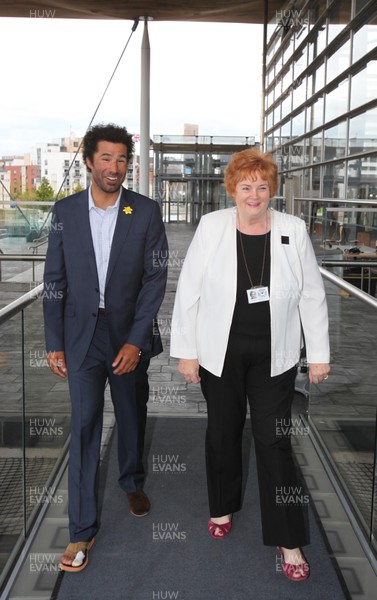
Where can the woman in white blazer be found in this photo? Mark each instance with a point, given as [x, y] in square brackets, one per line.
[249, 286]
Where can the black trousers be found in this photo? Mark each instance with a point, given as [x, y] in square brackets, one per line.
[246, 375]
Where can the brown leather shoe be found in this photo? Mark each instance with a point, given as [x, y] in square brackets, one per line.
[139, 503]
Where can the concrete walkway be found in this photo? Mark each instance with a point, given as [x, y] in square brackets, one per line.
[169, 393]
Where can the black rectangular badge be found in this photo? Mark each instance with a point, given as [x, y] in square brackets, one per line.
[284, 239]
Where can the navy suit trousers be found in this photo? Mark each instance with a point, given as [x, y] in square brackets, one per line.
[129, 393]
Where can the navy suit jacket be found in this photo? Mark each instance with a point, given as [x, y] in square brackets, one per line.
[135, 283]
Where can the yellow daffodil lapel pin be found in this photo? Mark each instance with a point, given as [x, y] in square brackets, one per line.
[128, 210]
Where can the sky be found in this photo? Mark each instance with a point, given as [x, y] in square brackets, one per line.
[54, 72]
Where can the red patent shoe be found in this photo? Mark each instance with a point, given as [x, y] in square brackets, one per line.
[219, 530]
[298, 572]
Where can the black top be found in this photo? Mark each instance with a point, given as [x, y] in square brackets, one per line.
[252, 319]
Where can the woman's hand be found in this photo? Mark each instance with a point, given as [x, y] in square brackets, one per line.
[318, 372]
[189, 368]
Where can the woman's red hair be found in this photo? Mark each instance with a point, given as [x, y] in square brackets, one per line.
[247, 165]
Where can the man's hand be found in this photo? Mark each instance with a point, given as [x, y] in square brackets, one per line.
[127, 359]
[189, 368]
[57, 364]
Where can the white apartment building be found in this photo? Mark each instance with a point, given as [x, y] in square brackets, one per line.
[5, 178]
[53, 163]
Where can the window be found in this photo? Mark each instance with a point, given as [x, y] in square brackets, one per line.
[337, 101]
[298, 124]
[334, 180]
[300, 64]
[362, 179]
[320, 43]
[286, 131]
[340, 16]
[312, 181]
[363, 132]
[299, 92]
[364, 40]
[313, 149]
[287, 79]
[316, 114]
[364, 85]
[286, 106]
[335, 141]
[319, 78]
[338, 62]
[269, 120]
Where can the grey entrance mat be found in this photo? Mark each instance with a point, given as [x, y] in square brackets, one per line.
[169, 554]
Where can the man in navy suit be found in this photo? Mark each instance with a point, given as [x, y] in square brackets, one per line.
[104, 286]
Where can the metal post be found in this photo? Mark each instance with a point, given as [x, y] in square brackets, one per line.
[145, 111]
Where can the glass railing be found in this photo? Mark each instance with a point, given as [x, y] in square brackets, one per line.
[24, 228]
[23, 222]
[204, 140]
[35, 418]
[344, 235]
[342, 411]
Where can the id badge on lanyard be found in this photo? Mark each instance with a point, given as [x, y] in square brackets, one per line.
[258, 293]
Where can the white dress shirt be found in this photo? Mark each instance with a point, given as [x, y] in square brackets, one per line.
[102, 225]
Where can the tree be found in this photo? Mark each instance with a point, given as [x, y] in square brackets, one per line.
[45, 191]
[62, 194]
[28, 195]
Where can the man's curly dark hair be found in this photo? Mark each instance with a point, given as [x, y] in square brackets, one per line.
[106, 133]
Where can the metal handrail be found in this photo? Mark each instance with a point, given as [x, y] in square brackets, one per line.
[337, 200]
[18, 305]
[42, 240]
[23, 257]
[16, 203]
[349, 263]
[348, 287]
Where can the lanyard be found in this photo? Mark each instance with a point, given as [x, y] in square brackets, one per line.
[264, 254]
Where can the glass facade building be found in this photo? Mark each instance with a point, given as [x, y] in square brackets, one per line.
[320, 105]
[320, 124]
